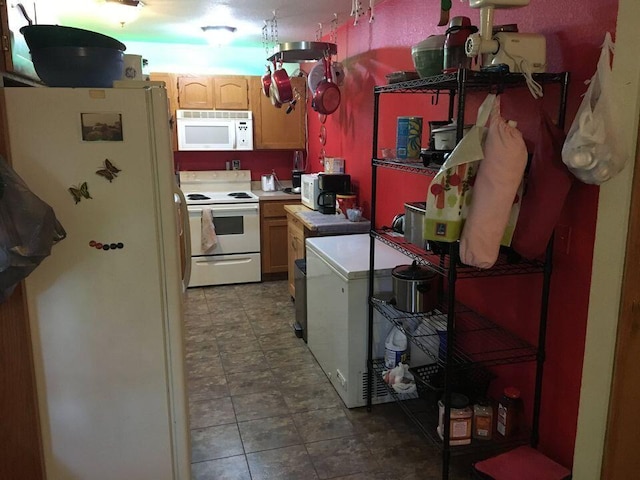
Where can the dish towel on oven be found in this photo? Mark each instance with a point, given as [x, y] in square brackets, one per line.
[208, 239]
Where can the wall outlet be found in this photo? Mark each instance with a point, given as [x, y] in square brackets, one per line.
[341, 379]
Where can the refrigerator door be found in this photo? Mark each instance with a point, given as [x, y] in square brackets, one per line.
[106, 323]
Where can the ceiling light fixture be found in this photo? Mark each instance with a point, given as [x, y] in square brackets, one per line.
[123, 11]
[219, 34]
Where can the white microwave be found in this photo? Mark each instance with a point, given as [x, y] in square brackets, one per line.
[309, 190]
[215, 129]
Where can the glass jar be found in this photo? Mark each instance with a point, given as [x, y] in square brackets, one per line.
[482, 420]
[510, 412]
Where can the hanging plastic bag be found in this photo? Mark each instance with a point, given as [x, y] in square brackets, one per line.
[497, 192]
[593, 150]
[450, 191]
[28, 229]
[548, 184]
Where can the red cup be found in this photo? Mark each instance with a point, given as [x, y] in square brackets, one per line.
[345, 202]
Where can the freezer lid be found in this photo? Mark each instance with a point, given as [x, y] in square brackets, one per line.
[349, 255]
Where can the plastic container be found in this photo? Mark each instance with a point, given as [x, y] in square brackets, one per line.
[482, 420]
[510, 412]
[409, 137]
[428, 56]
[395, 348]
[460, 420]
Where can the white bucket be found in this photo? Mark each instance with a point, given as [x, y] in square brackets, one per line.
[395, 348]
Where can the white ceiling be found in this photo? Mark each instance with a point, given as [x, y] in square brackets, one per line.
[180, 21]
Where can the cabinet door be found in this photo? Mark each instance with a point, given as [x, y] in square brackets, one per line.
[274, 237]
[274, 242]
[231, 93]
[171, 84]
[273, 127]
[295, 237]
[195, 92]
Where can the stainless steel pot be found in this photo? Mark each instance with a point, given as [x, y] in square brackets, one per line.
[414, 288]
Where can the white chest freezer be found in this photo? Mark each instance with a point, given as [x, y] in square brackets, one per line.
[337, 310]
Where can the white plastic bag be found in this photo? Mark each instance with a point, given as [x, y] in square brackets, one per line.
[592, 150]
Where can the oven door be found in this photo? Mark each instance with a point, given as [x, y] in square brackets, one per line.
[237, 228]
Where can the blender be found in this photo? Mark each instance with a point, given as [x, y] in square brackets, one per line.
[299, 167]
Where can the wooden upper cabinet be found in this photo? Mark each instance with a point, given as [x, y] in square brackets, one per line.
[228, 92]
[195, 92]
[231, 93]
[273, 127]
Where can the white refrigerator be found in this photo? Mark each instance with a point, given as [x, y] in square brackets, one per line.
[105, 308]
[337, 310]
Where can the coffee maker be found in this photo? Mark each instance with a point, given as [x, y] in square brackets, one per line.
[299, 167]
[330, 185]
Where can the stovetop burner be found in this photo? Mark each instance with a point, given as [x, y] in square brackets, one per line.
[197, 196]
[239, 195]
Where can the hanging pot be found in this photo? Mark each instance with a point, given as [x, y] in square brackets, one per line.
[326, 98]
[266, 82]
[280, 78]
[273, 96]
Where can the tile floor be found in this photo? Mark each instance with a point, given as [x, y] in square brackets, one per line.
[261, 408]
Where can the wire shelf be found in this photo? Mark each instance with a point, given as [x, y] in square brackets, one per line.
[440, 263]
[425, 416]
[472, 80]
[412, 167]
[478, 341]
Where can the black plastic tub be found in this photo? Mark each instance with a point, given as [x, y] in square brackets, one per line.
[65, 66]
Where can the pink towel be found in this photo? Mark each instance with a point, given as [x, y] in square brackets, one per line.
[494, 192]
[209, 239]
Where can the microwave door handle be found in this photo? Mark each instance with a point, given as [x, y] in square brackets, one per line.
[186, 228]
[233, 136]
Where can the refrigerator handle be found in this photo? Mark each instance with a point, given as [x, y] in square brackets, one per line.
[186, 232]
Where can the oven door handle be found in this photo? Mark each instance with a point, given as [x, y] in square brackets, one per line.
[186, 232]
[217, 208]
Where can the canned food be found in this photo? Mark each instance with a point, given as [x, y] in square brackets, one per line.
[408, 137]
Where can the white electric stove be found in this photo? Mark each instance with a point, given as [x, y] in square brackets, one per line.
[227, 196]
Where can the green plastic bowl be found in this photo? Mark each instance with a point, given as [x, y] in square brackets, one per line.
[428, 56]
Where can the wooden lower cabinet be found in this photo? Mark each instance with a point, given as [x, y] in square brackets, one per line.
[273, 238]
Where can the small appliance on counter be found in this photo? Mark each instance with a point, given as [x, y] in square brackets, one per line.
[330, 185]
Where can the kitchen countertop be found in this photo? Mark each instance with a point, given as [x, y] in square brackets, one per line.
[277, 195]
[326, 224]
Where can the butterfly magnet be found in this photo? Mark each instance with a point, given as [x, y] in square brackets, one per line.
[109, 171]
[80, 192]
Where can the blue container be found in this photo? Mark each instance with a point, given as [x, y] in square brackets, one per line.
[408, 137]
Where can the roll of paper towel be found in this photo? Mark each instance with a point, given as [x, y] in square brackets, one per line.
[132, 67]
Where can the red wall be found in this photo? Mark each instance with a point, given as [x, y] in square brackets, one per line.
[259, 161]
[574, 29]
